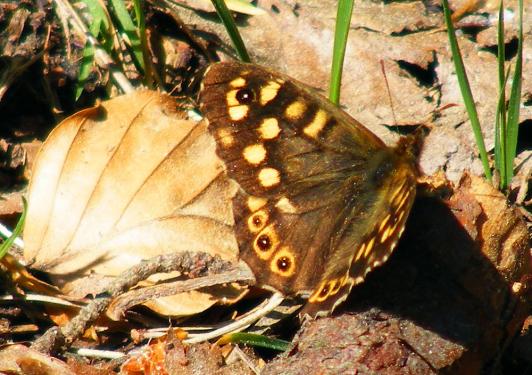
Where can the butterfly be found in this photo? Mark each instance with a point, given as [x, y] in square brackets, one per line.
[322, 200]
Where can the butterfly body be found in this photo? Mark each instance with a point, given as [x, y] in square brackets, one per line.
[323, 200]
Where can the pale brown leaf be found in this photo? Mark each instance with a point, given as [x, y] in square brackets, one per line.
[497, 226]
[125, 181]
[18, 359]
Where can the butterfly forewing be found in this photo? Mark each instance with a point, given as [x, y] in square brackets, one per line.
[316, 185]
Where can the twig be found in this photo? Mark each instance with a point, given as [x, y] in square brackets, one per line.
[138, 296]
[194, 264]
[95, 353]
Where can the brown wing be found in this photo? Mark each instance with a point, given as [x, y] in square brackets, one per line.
[312, 177]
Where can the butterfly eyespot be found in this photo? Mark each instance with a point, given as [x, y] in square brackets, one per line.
[245, 96]
[264, 242]
[257, 221]
[283, 263]
[324, 291]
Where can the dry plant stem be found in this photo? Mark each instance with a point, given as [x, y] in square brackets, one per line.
[64, 9]
[138, 296]
[194, 264]
[3, 229]
[275, 300]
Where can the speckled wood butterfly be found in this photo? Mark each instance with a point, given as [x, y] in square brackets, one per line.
[323, 200]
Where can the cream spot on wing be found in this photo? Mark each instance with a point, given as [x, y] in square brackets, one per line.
[386, 234]
[238, 112]
[361, 251]
[254, 154]
[358, 280]
[269, 92]
[225, 137]
[369, 247]
[285, 206]
[335, 286]
[231, 99]
[343, 280]
[401, 214]
[403, 200]
[295, 110]
[320, 294]
[317, 124]
[269, 129]
[237, 82]
[269, 177]
[398, 190]
[256, 203]
[383, 222]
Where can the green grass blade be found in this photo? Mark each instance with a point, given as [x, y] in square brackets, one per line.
[99, 23]
[465, 89]
[141, 27]
[6, 245]
[85, 68]
[500, 45]
[514, 103]
[254, 340]
[232, 30]
[343, 22]
[130, 30]
[500, 119]
[500, 128]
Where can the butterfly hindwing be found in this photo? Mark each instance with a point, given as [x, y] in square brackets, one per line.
[389, 214]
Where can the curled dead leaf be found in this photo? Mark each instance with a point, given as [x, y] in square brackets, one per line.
[498, 227]
[125, 181]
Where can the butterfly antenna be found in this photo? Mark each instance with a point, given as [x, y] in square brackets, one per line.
[383, 69]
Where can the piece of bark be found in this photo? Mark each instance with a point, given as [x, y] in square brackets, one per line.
[438, 305]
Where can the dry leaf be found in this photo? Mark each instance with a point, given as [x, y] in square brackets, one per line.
[125, 181]
[18, 359]
[498, 227]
